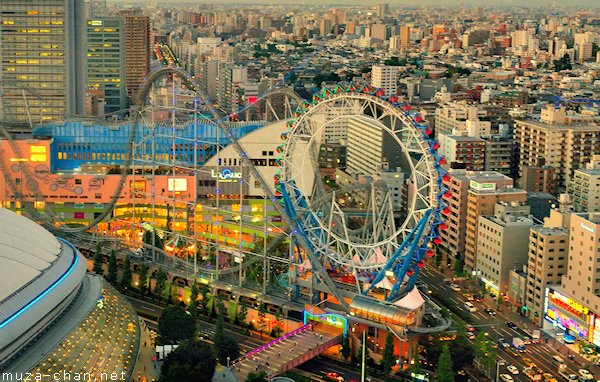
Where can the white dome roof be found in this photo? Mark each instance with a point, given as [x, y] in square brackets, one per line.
[26, 249]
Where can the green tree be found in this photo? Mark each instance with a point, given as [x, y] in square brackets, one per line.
[204, 301]
[387, 357]
[262, 314]
[191, 361]
[444, 371]
[345, 347]
[458, 268]
[175, 325]
[228, 347]
[219, 329]
[415, 365]
[193, 305]
[126, 276]
[242, 314]
[98, 260]
[143, 281]
[159, 286]
[112, 268]
[367, 357]
[260, 376]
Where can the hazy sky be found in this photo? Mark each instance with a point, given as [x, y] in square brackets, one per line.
[588, 3]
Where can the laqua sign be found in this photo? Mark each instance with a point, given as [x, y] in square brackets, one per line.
[226, 175]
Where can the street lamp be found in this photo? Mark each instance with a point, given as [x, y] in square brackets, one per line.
[228, 359]
[498, 364]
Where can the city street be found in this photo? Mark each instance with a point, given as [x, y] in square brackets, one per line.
[496, 326]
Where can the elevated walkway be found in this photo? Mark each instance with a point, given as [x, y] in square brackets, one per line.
[285, 353]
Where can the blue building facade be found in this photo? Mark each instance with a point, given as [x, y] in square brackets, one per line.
[78, 143]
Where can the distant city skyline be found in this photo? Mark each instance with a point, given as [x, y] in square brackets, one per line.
[411, 3]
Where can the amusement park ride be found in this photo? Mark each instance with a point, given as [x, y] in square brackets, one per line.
[367, 272]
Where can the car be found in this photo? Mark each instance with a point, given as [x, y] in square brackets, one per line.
[455, 287]
[503, 342]
[334, 376]
[491, 312]
[478, 298]
[511, 325]
[470, 307]
[585, 374]
[469, 297]
[470, 335]
[506, 378]
[528, 362]
[471, 328]
[513, 369]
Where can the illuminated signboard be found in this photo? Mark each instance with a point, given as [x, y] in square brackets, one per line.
[573, 305]
[482, 186]
[138, 185]
[177, 184]
[587, 227]
[37, 153]
[226, 175]
[95, 23]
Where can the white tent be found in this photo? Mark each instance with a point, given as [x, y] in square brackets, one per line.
[385, 284]
[374, 259]
[306, 264]
[413, 300]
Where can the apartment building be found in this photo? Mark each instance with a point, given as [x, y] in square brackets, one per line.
[584, 188]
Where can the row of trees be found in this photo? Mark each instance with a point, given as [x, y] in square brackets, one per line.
[126, 280]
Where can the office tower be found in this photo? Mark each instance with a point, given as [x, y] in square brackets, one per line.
[463, 152]
[379, 31]
[404, 37]
[481, 201]
[325, 26]
[382, 10]
[547, 260]
[42, 57]
[553, 142]
[454, 238]
[584, 188]
[137, 51]
[538, 179]
[572, 307]
[386, 78]
[502, 240]
[106, 62]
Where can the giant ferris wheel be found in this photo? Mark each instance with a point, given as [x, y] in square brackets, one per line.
[354, 226]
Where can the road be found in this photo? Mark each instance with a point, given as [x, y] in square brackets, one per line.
[541, 353]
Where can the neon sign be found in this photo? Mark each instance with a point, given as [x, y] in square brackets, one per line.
[226, 175]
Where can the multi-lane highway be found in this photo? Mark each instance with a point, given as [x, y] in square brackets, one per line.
[540, 354]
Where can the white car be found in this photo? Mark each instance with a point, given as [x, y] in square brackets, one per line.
[513, 369]
[455, 287]
[506, 378]
[585, 374]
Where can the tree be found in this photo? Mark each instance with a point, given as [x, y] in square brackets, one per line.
[219, 329]
[260, 376]
[204, 301]
[193, 305]
[415, 365]
[175, 325]
[387, 357]
[159, 286]
[458, 268]
[126, 276]
[262, 314]
[444, 372]
[242, 314]
[360, 351]
[112, 268]
[143, 281]
[228, 347]
[191, 361]
[98, 260]
[395, 61]
[345, 347]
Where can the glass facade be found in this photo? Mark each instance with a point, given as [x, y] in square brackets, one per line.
[38, 58]
[106, 62]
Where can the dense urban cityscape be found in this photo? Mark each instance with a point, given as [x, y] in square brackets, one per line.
[307, 191]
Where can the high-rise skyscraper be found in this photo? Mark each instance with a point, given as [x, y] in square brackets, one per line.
[42, 59]
[106, 62]
[383, 10]
[385, 77]
[137, 51]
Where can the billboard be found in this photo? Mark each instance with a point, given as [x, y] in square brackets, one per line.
[177, 184]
